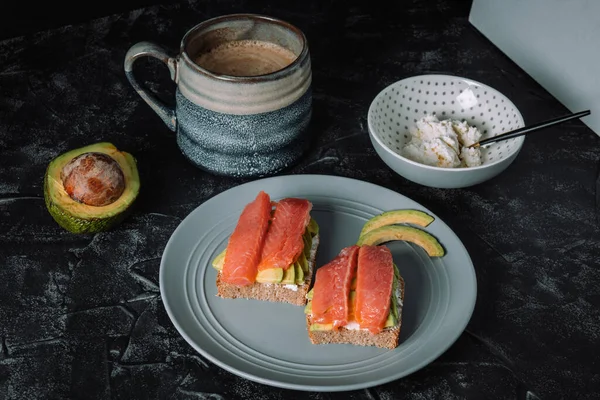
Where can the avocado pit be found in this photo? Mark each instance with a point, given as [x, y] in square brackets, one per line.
[94, 179]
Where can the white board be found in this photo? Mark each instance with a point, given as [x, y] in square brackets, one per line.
[556, 42]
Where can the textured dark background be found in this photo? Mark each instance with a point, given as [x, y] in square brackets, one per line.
[81, 316]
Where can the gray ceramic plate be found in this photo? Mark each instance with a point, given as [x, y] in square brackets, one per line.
[268, 342]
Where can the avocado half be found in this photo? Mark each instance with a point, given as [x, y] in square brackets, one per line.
[77, 217]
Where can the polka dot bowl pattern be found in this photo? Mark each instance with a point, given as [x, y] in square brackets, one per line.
[396, 109]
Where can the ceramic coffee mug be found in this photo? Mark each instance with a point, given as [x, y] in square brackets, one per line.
[243, 99]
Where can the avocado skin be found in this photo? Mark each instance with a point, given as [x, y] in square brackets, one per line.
[82, 225]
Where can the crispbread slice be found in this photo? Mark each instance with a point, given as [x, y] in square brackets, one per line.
[275, 292]
[388, 338]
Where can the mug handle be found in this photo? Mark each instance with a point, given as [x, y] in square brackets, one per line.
[145, 49]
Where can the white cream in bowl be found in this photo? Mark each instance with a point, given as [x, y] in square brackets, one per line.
[443, 143]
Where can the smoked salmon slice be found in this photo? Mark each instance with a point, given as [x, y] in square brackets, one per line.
[331, 298]
[374, 280]
[284, 243]
[246, 242]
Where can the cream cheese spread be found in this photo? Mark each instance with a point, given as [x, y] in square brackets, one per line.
[443, 143]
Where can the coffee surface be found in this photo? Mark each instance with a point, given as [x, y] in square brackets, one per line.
[246, 58]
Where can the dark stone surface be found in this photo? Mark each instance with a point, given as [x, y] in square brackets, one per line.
[81, 316]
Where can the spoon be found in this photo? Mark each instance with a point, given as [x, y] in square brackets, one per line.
[532, 128]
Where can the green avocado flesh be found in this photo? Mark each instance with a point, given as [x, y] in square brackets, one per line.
[294, 274]
[299, 271]
[406, 233]
[406, 216]
[289, 276]
[77, 217]
[392, 319]
[271, 275]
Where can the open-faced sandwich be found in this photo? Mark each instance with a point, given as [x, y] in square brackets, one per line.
[271, 253]
[357, 299]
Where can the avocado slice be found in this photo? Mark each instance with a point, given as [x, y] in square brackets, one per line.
[309, 295]
[307, 239]
[307, 243]
[390, 321]
[289, 275]
[407, 233]
[393, 217]
[351, 316]
[299, 273]
[313, 227]
[217, 263]
[393, 300]
[271, 275]
[321, 327]
[308, 308]
[303, 262]
[77, 216]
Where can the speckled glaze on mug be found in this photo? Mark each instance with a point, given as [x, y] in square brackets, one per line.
[242, 126]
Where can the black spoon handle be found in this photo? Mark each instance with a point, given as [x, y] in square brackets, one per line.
[532, 128]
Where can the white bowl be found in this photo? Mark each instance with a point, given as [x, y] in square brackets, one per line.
[396, 109]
